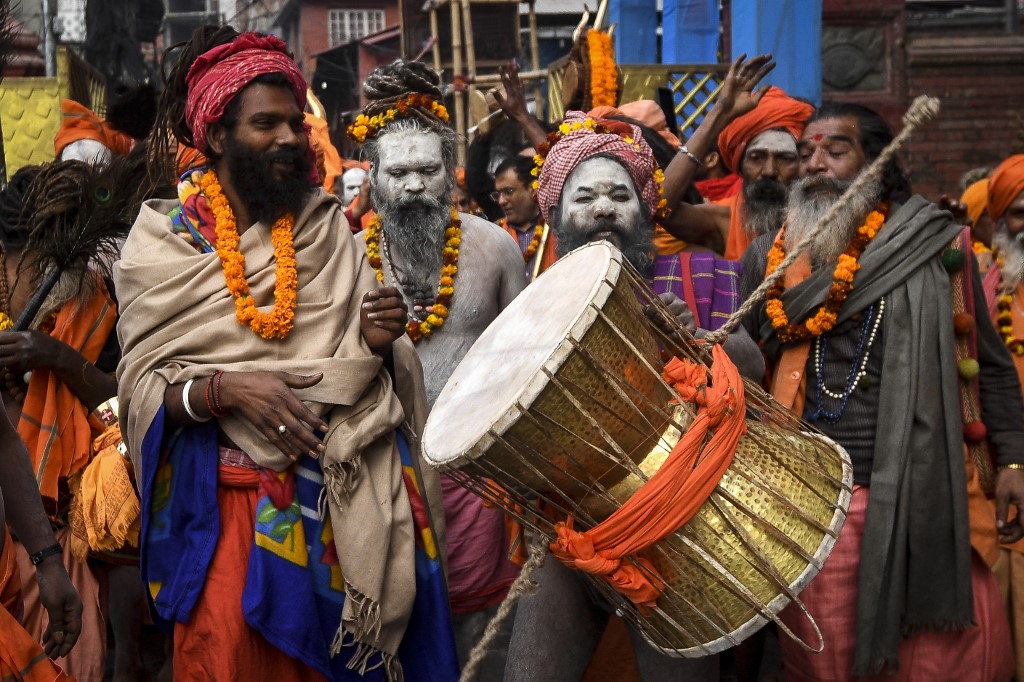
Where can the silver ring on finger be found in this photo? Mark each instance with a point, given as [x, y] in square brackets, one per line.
[282, 429]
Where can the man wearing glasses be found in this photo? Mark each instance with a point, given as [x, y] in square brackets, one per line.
[513, 192]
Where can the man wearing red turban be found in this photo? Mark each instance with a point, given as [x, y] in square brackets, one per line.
[287, 529]
[760, 146]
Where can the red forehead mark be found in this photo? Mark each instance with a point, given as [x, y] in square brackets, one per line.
[819, 137]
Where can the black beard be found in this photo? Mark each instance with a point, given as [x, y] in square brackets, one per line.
[637, 244]
[764, 205]
[415, 229]
[266, 198]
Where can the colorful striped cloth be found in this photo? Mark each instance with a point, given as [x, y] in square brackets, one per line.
[293, 591]
[710, 285]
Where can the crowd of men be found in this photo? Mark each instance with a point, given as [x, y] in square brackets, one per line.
[278, 325]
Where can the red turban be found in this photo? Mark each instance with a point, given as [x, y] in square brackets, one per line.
[80, 123]
[218, 75]
[975, 198]
[1005, 183]
[579, 145]
[775, 110]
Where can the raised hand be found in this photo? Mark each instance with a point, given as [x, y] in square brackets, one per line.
[382, 317]
[513, 101]
[737, 95]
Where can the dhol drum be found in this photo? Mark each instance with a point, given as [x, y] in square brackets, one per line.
[562, 403]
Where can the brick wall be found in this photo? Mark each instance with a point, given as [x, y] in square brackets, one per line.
[313, 28]
[980, 80]
[978, 75]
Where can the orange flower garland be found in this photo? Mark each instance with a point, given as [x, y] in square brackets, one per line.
[534, 242]
[418, 329]
[368, 126]
[278, 322]
[842, 284]
[1004, 318]
[604, 81]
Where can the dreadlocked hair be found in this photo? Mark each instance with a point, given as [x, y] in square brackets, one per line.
[387, 83]
[14, 214]
[170, 127]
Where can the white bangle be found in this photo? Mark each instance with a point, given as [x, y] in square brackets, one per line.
[188, 407]
[690, 155]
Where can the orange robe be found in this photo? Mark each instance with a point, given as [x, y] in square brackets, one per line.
[21, 657]
[547, 258]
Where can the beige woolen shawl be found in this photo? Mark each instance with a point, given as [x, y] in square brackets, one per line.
[178, 322]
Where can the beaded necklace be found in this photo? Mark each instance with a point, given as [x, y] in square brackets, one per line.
[858, 369]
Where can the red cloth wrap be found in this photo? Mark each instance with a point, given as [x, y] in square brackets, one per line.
[1004, 185]
[775, 110]
[579, 145]
[218, 75]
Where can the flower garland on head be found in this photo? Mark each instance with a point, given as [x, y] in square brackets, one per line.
[604, 81]
[842, 284]
[438, 312]
[661, 213]
[278, 322]
[368, 126]
[1004, 316]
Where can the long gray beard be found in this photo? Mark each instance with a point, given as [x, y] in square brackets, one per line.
[805, 211]
[416, 232]
[1012, 251]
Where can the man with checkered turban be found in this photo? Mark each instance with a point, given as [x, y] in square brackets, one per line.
[598, 180]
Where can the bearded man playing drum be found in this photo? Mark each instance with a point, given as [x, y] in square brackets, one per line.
[598, 181]
[893, 369]
[456, 272]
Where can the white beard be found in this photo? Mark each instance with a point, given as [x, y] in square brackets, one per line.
[806, 211]
[1012, 251]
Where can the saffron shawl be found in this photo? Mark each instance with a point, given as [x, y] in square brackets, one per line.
[179, 323]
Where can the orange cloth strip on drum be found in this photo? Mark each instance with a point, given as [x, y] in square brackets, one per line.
[674, 494]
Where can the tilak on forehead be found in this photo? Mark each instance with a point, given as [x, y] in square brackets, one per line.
[583, 138]
[773, 141]
[220, 74]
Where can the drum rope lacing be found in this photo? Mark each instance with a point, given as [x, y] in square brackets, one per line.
[674, 494]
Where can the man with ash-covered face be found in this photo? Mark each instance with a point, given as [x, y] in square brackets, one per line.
[456, 272]
[877, 336]
[761, 147]
[597, 183]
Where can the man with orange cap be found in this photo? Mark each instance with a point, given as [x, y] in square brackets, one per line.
[760, 146]
[1004, 292]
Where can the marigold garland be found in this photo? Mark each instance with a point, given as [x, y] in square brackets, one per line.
[1004, 318]
[604, 81]
[418, 329]
[842, 284]
[531, 249]
[5, 322]
[368, 126]
[278, 322]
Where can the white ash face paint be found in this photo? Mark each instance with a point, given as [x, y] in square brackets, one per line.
[600, 189]
[410, 164]
[772, 142]
[351, 183]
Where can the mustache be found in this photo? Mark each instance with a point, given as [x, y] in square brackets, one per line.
[607, 225]
[816, 182]
[768, 189]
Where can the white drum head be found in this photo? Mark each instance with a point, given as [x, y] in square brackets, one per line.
[503, 368]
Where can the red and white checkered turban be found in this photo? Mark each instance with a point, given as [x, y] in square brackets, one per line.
[579, 145]
[220, 74]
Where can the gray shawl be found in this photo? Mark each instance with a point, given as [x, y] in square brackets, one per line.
[915, 568]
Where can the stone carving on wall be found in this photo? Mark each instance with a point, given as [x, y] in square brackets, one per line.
[853, 59]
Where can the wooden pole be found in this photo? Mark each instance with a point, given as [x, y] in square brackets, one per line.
[434, 34]
[467, 27]
[535, 60]
[458, 95]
